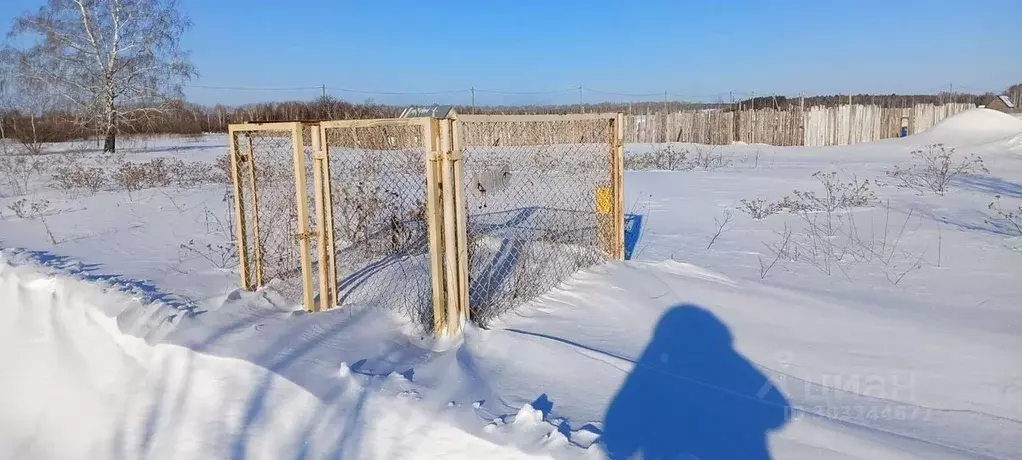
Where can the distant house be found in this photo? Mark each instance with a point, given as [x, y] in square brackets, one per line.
[1002, 103]
[435, 111]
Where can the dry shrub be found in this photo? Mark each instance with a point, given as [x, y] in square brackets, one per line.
[837, 194]
[795, 206]
[18, 171]
[223, 168]
[1009, 219]
[29, 210]
[222, 253]
[667, 158]
[76, 177]
[759, 208]
[664, 158]
[137, 176]
[184, 174]
[161, 172]
[708, 160]
[934, 167]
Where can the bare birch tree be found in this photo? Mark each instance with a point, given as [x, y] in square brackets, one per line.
[5, 108]
[1014, 92]
[114, 62]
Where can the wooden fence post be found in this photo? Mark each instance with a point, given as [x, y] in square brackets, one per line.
[617, 172]
[239, 210]
[447, 185]
[319, 201]
[461, 221]
[434, 226]
[328, 224]
[257, 247]
[302, 201]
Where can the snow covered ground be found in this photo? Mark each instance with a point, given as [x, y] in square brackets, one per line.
[898, 341]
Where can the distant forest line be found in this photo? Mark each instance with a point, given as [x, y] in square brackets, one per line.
[188, 118]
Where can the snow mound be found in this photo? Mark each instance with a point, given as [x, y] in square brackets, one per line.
[78, 387]
[976, 125]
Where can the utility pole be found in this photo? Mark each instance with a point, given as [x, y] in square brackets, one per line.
[951, 90]
[581, 108]
[473, 89]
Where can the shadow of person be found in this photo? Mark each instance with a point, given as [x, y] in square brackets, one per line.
[692, 396]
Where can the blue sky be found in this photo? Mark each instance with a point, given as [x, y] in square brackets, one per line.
[695, 50]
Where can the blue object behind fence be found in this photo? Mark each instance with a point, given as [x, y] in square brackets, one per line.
[633, 228]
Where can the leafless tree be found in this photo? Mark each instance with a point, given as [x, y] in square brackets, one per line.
[1014, 92]
[114, 62]
[32, 102]
[5, 108]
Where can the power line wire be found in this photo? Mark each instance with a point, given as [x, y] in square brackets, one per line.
[243, 88]
[493, 91]
[623, 94]
[399, 93]
[309, 88]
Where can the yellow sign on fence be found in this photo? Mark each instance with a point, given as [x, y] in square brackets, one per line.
[604, 200]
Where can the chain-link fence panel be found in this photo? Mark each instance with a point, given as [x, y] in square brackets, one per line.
[269, 205]
[377, 174]
[536, 191]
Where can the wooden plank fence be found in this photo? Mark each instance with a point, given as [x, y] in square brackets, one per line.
[814, 126]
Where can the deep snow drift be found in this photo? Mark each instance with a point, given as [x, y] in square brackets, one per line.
[81, 388]
[904, 347]
[982, 125]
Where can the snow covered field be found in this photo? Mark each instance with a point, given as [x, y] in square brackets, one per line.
[894, 334]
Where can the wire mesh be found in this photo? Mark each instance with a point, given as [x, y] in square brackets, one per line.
[531, 192]
[378, 181]
[270, 208]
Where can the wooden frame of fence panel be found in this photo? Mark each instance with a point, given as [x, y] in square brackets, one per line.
[257, 247]
[328, 221]
[617, 154]
[461, 220]
[319, 203]
[423, 122]
[434, 225]
[267, 126]
[535, 118]
[239, 210]
[451, 272]
[302, 200]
